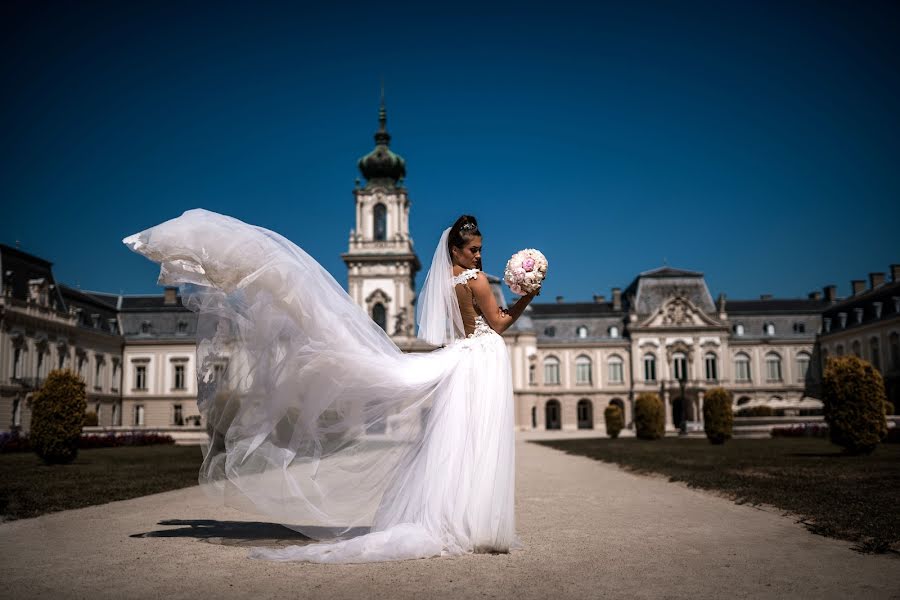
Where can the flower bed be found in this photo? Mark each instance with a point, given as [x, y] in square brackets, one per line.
[14, 442]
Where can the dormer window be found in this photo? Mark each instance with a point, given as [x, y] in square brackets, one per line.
[146, 327]
[550, 331]
[582, 331]
[613, 332]
[738, 329]
[769, 328]
[842, 318]
[876, 308]
[799, 327]
[858, 315]
[182, 327]
[826, 323]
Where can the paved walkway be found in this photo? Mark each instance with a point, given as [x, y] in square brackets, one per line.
[590, 529]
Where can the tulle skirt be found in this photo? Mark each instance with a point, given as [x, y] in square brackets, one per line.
[318, 421]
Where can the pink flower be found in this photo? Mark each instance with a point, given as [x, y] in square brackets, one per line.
[528, 264]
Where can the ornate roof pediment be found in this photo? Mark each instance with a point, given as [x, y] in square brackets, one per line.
[678, 312]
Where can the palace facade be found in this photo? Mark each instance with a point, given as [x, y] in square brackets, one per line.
[660, 333]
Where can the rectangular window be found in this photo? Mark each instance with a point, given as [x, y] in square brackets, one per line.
[583, 373]
[138, 414]
[531, 374]
[17, 363]
[649, 369]
[115, 374]
[551, 373]
[177, 415]
[115, 415]
[773, 370]
[140, 377]
[802, 368]
[711, 368]
[179, 377]
[615, 372]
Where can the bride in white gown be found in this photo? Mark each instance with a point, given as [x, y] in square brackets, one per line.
[318, 421]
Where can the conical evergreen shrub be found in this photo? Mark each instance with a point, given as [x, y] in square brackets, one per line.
[718, 417]
[649, 417]
[854, 399]
[615, 420]
[57, 416]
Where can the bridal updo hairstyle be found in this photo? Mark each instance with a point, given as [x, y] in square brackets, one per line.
[464, 229]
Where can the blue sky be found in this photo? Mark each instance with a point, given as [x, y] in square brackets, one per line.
[757, 143]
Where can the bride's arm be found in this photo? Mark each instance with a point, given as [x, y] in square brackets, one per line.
[496, 317]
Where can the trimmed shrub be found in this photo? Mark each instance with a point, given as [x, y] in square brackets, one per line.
[91, 420]
[649, 417]
[854, 399]
[756, 411]
[615, 420]
[718, 417]
[57, 416]
[889, 407]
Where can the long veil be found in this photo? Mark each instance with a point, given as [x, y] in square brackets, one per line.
[311, 408]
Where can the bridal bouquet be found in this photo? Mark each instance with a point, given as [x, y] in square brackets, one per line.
[525, 271]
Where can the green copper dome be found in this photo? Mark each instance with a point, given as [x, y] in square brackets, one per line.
[381, 165]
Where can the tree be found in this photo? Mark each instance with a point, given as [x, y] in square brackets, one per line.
[57, 416]
[854, 404]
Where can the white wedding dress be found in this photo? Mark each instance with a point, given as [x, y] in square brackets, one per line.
[318, 421]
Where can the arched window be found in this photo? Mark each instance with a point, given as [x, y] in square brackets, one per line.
[583, 370]
[711, 362]
[875, 353]
[581, 332]
[895, 350]
[857, 349]
[585, 410]
[613, 331]
[742, 367]
[839, 350]
[551, 370]
[379, 315]
[738, 329]
[773, 367]
[802, 366]
[679, 366]
[380, 215]
[649, 367]
[615, 369]
[552, 415]
[769, 328]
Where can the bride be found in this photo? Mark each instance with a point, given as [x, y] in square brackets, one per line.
[318, 420]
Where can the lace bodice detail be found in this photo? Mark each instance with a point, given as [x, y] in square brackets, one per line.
[465, 276]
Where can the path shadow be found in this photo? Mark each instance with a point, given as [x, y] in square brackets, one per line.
[241, 533]
[837, 454]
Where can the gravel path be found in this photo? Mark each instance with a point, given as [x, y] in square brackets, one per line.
[590, 530]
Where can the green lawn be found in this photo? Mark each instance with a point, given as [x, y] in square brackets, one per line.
[30, 488]
[855, 498]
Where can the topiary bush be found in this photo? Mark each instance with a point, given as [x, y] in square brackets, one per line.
[889, 407]
[91, 419]
[854, 399]
[57, 416]
[756, 411]
[718, 417]
[649, 418]
[615, 420]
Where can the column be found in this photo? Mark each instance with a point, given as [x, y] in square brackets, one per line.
[700, 406]
[668, 408]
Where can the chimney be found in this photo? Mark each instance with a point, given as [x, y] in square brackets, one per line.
[170, 295]
[815, 295]
[720, 303]
[559, 299]
[858, 286]
[830, 293]
[875, 279]
[765, 296]
[617, 298]
[895, 273]
[599, 299]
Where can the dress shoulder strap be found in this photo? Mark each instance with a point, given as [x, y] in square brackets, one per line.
[465, 276]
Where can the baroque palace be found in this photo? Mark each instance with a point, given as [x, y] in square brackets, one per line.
[662, 333]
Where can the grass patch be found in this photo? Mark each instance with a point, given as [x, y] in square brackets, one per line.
[31, 488]
[847, 497]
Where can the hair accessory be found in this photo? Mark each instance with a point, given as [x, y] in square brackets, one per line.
[468, 226]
